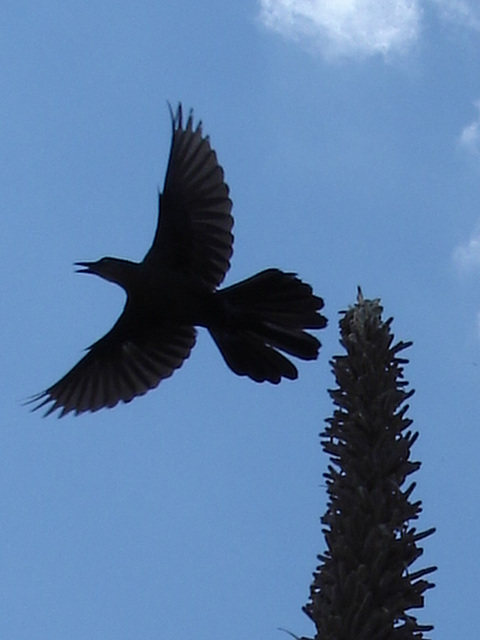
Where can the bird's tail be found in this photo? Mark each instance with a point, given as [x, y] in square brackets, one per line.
[266, 314]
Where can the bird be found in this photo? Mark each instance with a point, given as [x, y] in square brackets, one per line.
[255, 323]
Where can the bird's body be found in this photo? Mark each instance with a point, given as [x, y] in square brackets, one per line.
[161, 293]
[174, 289]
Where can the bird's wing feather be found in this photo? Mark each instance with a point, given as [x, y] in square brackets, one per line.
[194, 221]
[128, 361]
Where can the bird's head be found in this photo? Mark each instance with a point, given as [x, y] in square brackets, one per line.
[112, 269]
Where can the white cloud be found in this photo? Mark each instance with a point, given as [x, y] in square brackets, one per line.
[467, 256]
[469, 138]
[346, 27]
[361, 27]
[466, 13]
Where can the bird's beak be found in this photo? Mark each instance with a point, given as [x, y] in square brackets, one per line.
[87, 267]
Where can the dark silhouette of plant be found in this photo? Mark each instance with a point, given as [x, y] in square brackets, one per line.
[363, 588]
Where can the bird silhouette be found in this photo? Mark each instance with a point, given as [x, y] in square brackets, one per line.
[174, 289]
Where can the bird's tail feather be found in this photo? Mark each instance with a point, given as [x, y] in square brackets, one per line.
[269, 313]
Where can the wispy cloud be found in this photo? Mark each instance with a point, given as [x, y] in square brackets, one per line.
[469, 138]
[467, 259]
[361, 28]
[465, 13]
[345, 27]
[467, 256]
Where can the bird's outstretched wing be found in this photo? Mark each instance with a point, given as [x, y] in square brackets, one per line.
[128, 361]
[193, 233]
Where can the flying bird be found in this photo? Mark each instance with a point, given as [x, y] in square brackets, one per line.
[174, 289]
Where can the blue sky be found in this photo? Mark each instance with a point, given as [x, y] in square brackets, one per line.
[350, 137]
